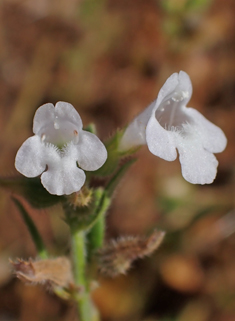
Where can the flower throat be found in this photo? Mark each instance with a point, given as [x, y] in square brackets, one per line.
[171, 112]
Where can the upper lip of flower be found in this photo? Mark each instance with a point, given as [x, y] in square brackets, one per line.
[59, 145]
[172, 100]
[57, 125]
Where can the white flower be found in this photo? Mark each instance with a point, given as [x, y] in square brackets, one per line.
[167, 124]
[58, 147]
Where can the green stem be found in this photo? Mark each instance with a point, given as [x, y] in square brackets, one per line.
[79, 261]
[97, 233]
[96, 237]
[42, 252]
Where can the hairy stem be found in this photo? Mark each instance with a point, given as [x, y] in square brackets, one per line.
[79, 261]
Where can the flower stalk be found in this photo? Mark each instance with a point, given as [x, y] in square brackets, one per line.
[79, 261]
[97, 233]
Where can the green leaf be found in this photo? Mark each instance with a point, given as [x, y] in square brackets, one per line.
[91, 128]
[114, 181]
[31, 189]
[36, 237]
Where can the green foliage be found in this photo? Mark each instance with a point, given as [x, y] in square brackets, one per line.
[90, 9]
[114, 181]
[32, 229]
[95, 235]
[184, 6]
[91, 128]
[31, 189]
[181, 16]
[198, 5]
[84, 217]
[114, 155]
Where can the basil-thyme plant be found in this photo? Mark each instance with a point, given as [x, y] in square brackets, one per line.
[59, 163]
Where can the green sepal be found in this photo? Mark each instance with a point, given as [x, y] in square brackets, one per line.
[114, 155]
[31, 189]
[91, 128]
[116, 178]
[36, 237]
[83, 218]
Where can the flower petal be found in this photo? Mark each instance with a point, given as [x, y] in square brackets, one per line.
[168, 87]
[185, 85]
[30, 158]
[198, 165]
[160, 141]
[176, 82]
[92, 153]
[212, 137]
[43, 116]
[135, 135]
[68, 112]
[63, 178]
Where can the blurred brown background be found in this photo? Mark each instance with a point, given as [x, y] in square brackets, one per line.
[109, 58]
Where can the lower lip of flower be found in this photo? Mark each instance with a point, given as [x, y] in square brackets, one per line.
[171, 112]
